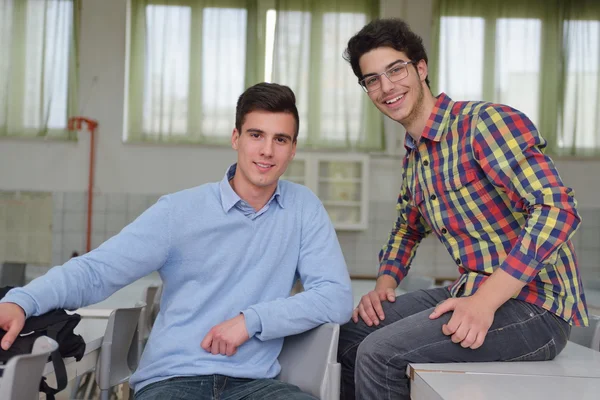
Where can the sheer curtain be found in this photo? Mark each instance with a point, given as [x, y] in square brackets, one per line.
[579, 126]
[191, 59]
[309, 39]
[187, 69]
[38, 67]
[540, 57]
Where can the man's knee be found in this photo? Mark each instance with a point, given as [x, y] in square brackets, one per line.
[371, 353]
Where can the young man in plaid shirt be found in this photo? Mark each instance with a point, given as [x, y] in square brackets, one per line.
[475, 176]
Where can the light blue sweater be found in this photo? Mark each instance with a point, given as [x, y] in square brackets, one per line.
[217, 258]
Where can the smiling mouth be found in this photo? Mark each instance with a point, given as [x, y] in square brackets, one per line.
[263, 166]
[394, 100]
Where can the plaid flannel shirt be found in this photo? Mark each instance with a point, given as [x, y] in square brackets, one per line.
[479, 180]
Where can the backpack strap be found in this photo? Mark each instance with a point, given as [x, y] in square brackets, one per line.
[45, 388]
[59, 365]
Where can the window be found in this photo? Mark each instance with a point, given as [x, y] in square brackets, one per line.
[539, 58]
[192, 60]
[462, 76]
[341, 104]
[581, 118]
[307, 56]
[196, 58]
[38, 68]
[508, 75]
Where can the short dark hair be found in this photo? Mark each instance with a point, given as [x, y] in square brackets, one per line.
[389, 32]
[265, 96]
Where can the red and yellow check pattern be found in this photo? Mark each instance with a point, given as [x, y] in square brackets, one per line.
[479, 180]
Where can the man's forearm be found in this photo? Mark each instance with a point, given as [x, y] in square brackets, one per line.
[499, 288]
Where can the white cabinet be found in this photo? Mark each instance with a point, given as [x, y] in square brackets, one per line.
[340, 181]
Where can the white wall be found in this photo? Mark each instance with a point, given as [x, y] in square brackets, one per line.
[134, 168]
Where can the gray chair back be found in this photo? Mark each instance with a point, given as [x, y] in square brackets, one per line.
[118, 354]
[309, 361]
[21, 374]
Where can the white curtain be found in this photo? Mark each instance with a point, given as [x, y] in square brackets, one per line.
[188, 62]
[580, 128]
[191, 59]
[495, 60]
[38, 67]
[540, 57]
[310, 38]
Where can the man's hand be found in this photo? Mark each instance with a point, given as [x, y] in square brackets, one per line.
[370, 309]
[12, 319]
[470, 320]
[226, 337]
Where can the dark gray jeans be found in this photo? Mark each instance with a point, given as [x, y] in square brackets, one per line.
[374, 359]
[219, 387]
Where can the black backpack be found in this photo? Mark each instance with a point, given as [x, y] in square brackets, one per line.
[56, 324]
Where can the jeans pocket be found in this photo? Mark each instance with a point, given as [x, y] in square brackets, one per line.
[544, 353]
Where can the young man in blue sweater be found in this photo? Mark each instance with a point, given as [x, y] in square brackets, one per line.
[228, 254]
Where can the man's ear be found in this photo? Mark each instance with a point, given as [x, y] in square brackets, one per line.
[235, 135]
[423, 70]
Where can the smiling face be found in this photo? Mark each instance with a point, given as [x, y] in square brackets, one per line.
[265, 147]
[402, 100]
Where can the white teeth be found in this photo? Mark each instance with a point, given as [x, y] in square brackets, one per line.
[263, 165]
[395, 99]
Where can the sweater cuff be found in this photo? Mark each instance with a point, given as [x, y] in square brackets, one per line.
[22, 300]
[253, 324]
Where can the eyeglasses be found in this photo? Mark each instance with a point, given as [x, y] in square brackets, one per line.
[395, 73]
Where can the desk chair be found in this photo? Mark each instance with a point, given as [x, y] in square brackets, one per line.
[118, 354]
[146, 316]
[309, 361]
[22, 374]
[588, 336]
[12, 274]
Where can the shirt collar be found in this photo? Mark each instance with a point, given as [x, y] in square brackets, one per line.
[436, 124]
[229, 198]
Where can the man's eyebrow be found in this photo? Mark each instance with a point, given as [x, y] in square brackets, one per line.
[386, 67]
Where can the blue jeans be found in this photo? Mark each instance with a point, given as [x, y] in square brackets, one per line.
[374, 359]
[220, 387]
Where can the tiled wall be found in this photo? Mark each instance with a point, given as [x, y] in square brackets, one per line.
[113, 211]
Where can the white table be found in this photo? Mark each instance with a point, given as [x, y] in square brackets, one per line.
[573, 374]
[459, 386]
[574, 361]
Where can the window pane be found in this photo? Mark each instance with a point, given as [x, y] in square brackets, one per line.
[581, 121]
[518, 64]
[269, 43]
[460, 71]
[223, 66]
[341, 102]
[291, 59]
[48, 33]
[166, 87]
